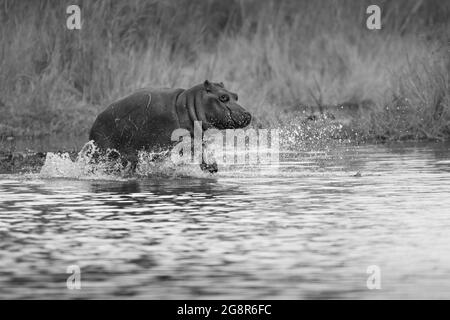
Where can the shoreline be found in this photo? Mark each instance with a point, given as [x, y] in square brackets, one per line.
[359, 121]
[26, 160]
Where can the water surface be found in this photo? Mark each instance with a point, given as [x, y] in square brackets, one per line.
[309, 228]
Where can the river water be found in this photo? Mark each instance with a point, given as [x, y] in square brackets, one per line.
[316, 226]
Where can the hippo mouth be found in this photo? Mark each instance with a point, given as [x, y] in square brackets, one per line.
[233, 120]
[241, 120]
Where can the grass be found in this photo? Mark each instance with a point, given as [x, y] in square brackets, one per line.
[278, 55]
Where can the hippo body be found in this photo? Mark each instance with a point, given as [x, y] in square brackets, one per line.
[142, 120]
[146, 119]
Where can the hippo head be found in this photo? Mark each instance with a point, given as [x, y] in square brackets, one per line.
[221, 108]
[215, 107]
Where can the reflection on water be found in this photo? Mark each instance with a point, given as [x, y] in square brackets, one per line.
[308, 229]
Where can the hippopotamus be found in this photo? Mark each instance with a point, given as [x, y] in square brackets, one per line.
[146, 119]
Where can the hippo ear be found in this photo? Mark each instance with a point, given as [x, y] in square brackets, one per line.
[207, 85]
[221, 84]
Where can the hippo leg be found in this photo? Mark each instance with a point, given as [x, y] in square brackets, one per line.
[210, 167]
[130, 160]
[209, 162]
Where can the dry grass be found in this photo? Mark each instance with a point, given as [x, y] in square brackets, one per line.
[277, 54]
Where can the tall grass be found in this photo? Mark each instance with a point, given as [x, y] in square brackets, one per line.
[278, 55]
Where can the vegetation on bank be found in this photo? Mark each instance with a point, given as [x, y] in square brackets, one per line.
[286, 59]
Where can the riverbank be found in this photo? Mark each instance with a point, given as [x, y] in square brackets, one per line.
[358, 121]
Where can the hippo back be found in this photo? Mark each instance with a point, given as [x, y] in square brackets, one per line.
[142, 120]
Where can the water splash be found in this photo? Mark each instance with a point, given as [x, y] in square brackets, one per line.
[313, 142]
[90, 164]
[84, 166]
[323, 133]
[152, 164]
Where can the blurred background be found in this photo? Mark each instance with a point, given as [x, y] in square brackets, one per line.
[282, 57]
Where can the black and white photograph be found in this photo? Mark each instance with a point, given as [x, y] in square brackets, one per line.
[212, 150]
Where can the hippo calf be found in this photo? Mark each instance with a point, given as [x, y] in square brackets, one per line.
[146, 119]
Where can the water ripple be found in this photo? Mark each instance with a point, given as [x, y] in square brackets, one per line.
[306, 229]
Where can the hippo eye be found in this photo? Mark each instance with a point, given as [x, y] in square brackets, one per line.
[224, 98]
